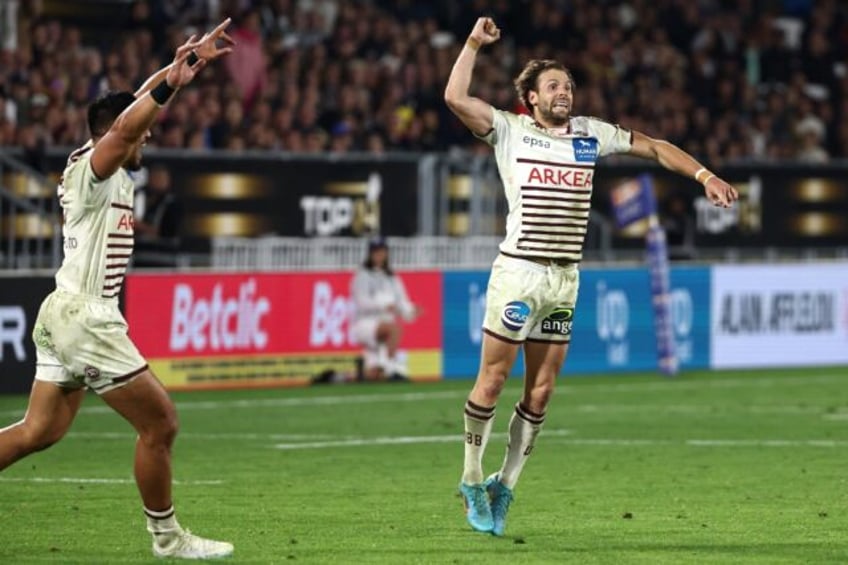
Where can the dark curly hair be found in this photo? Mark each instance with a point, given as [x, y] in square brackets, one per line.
[103, 112]
[529, 78]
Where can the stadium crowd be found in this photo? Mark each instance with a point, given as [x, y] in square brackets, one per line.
[723, 79]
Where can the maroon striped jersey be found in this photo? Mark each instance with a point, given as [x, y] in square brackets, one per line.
[547, 178]
[97, 229]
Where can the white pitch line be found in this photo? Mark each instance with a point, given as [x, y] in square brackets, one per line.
[766, 443]
[394, 440]
[203, 436]
[695, 409]
[666, 384]
[95, 481]
[600, 442]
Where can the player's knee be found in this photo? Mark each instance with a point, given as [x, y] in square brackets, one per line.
[38, 437]
[163, 432]
[491, 381]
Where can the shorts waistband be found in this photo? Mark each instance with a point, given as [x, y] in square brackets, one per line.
[545, 261]
[88, 297]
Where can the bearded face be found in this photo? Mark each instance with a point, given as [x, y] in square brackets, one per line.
[553, 100]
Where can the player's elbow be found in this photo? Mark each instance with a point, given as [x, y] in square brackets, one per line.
[454, 100]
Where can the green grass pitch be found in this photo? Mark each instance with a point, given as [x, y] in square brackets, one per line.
[708, 467]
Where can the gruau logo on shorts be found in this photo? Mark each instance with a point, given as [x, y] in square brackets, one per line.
[515, 315]
[585, 149]
[559, 321]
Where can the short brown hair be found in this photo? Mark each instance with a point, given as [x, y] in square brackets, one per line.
[529, 78]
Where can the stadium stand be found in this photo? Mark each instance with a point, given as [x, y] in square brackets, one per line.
[727, 81]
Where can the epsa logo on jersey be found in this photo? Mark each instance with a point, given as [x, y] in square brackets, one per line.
[533, 142]
[585, 149]
[559, 321]
[514, 315]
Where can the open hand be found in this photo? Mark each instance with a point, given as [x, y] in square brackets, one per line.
[180, 72]
[485, 31]
[720, 193]
[207, 47]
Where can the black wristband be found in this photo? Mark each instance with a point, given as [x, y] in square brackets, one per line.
[192, 59]
[161, 93]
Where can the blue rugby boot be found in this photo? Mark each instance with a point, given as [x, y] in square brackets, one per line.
[501, 497]
[477, 509]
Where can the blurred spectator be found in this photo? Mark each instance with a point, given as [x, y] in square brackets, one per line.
[810, 132]
[246, 64]
[158, 216]
[381, 305]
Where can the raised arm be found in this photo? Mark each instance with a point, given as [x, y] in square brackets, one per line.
[473, 112]
[112, 149]
[675, 159]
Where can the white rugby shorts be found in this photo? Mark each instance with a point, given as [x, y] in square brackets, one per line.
[528, 301]
[82, 341]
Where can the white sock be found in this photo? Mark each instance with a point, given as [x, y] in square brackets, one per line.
[162, 524]
[524, 426]
[478, 426]
[382, 357]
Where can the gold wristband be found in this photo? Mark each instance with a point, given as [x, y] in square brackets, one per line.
[472, 43]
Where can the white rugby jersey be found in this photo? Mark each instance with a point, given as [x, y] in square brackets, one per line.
[374, 291]
[98, 228]
[547, 179]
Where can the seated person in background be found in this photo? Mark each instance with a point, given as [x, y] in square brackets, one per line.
[158, 214]
[380, 305]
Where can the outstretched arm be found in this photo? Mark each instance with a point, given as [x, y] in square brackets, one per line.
[473, 112]
[675, 159]
[112, 150]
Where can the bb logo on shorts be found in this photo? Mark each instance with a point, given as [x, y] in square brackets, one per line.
[514, 315]
[585, 149]
[559, 321]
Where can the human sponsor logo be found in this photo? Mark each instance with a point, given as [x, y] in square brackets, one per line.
[559, 321]
[535, 142]
[585, 149]
[682, 320]
[515, 315]
[776, 313]
[613, 322]
[329, 318]
[218, 322]
[12, 331]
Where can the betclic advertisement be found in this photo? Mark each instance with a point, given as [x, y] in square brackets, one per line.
[241, 330]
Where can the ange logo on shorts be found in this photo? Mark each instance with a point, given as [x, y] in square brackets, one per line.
[559, 321]
[514, 315]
